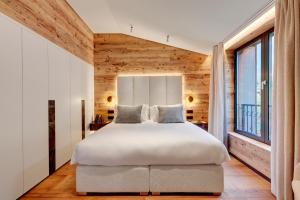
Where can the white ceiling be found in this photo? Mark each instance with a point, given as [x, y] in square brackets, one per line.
[195, 25]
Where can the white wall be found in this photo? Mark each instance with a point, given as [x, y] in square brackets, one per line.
[33, 70]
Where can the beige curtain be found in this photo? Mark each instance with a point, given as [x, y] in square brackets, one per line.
[286, 98]
[217, 99]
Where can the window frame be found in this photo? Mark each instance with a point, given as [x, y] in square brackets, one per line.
[265, 65]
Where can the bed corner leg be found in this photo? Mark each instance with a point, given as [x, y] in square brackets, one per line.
[81, 193]
[143, 193]
[217, 193]
[155, 193]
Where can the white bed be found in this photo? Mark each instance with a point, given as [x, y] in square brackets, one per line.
[149, 156]
[179, 157]
[150, 143]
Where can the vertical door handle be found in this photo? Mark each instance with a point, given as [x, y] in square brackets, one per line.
[263, 84]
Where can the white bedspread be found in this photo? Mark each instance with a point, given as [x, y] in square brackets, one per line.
[150, 143]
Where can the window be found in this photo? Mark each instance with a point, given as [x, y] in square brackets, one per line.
[253, 86]
[271, 72]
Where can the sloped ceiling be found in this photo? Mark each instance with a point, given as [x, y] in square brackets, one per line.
[195, 25]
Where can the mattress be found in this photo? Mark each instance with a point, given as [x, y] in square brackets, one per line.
[150, 143]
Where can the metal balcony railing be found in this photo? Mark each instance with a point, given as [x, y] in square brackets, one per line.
[250, 119]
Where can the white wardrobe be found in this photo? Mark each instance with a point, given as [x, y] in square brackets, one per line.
[33, 70]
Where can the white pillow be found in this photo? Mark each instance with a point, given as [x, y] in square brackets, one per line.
[154, 112]
[145, 113]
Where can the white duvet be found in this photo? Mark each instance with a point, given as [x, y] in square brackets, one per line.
[150, 143]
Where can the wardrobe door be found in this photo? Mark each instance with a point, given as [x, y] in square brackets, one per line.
[59, 90]
[76, 66]
[35, 109]
[90, 97]
[88, 93]
[11, 156]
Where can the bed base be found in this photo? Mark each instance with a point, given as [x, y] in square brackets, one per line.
[81, 193]
[158, 193]
[85, 193]
[155, 193]
[146, 193]
[154, 179]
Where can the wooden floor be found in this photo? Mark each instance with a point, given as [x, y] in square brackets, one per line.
[241, 183]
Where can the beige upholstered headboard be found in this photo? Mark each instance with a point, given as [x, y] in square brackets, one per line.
[151, 90]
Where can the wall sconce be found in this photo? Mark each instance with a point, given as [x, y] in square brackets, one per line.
[190, 99]
[109, 99]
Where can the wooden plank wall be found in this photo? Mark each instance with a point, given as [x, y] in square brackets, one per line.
[54, 20]
[255, 154]
[122, 54]
[229, 73]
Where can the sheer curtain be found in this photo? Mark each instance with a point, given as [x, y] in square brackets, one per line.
[217, 100]
[286, 98]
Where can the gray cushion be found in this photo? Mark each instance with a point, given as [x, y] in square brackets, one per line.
[128, 114]
[170, 114]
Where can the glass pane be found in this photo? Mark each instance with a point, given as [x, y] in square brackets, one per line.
[249, 89]
[271, 70]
